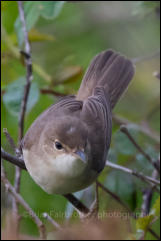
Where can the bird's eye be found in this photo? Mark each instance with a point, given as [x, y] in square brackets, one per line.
[58, 145]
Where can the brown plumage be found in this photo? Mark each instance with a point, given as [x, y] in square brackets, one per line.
[81, 122]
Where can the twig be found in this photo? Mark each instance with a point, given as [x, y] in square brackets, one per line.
[21, 201]
[154, 234]
[52, 92]
[10, 140]
[17, 181]
[113, 195]
[145, 130]
[147, 196]
[94, 208]
[12, 159]
[138, 147]
[97, 196]
[79, 206]
[16, 53]
[144, 178]
[22, 110]
[52, 221]
[28, 61]
[145, 208]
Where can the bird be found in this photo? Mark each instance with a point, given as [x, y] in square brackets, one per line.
[66, 147]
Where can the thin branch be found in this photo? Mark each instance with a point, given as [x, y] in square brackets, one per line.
[147, 196]
[113, 195]
[22, 110]
[10, 140]
[16, 53]
[138, 147]
[154, 234]
[12, 159]
[142, 177]
[52, 92]
[78, 205]
[97, 196]
[28, 61]
[21, 201]
[94, 208]
[52, 221]
[145, 130]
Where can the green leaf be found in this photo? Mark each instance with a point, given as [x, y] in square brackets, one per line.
[142, 223]
[14, 94]
[35, 35]
[123, 144]
[33, 10]
[50, 9]
[31, 15]
[4, 5]
[9, 15]
[123, 185]
[156, 208]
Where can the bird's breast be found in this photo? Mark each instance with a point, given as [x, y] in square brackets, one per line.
[61, 175]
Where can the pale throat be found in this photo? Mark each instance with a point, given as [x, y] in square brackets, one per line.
[55, 174]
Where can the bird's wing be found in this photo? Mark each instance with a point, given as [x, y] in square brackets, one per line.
[96, 113]
[69, 103]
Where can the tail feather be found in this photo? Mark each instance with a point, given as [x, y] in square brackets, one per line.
[110, 70]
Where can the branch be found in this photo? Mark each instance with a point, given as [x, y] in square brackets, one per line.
[78, 205]
[10, 140]
[52, 92]
[12, 159]
[94, 207]
[16, 53]
[154, 234]
[147, 197]
[52, 221]
[114, 196]
[142, 177]
[29, 77]
[145, 130]
[125, 131]
[21, 201]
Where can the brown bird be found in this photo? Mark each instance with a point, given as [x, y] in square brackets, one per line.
[66, 147]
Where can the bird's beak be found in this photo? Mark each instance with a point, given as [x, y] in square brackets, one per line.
[81, 155]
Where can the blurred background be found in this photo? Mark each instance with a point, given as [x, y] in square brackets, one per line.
[63, 43]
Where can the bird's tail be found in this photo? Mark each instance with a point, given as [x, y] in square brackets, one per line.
[110, 70]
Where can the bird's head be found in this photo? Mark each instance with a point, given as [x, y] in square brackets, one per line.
[65, 136]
